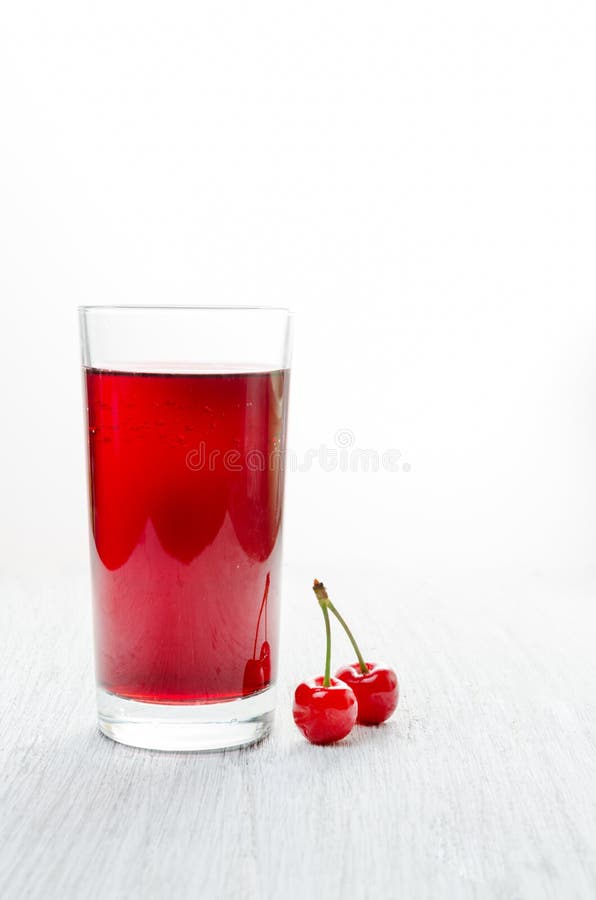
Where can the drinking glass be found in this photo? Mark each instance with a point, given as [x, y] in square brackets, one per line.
[186, 415]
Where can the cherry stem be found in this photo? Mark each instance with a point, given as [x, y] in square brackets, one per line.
[327, 675]
[325, 603]
[263, 606]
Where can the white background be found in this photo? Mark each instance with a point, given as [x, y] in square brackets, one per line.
[415, 180]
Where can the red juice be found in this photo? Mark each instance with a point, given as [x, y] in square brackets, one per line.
[186, 487]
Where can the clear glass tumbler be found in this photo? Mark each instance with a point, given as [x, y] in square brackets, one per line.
[186, 415]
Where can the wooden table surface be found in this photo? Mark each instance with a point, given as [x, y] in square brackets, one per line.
[482, 785]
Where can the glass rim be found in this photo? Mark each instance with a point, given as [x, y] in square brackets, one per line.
[180, 306]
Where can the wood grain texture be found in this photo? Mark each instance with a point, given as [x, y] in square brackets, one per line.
[483, 785]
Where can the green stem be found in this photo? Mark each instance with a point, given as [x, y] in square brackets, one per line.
[327, 676]
[325, 604]
[363, 666]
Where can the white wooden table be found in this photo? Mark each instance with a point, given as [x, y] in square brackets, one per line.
[482, 785]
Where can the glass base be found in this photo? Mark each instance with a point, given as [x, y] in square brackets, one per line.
[195, 727]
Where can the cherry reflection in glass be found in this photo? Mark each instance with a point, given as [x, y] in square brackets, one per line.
[257, 672]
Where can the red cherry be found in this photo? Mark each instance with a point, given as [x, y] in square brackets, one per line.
[265, 659]
[377, 691]
[324, 714]
[257, 672]
[254, 677]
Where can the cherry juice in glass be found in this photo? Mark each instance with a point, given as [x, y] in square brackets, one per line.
[186, 483]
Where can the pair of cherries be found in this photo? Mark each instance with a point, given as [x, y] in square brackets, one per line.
[325, 708]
